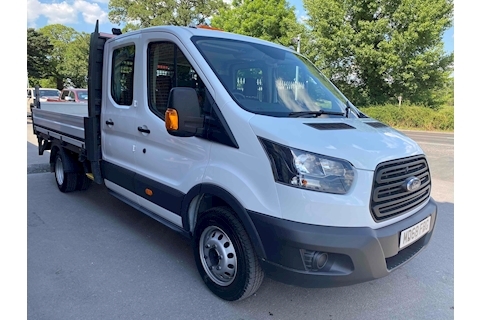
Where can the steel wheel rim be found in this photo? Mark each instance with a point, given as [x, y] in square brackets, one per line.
[59, 171]
[218, 256]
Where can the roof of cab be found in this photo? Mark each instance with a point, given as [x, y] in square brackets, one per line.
[201, 31]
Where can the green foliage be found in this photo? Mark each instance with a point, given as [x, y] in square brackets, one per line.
[39, 50]
[49, 82]
[69, 56]
[271, 20]
[413, 117]
[137, 14]
[75, 65]
[378, 50]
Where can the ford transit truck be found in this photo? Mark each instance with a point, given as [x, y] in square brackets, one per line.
[244, 147]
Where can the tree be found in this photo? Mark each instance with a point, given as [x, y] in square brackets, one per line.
[75, 64]
[378, 50]
[137, 14]
[39, 51]
[69, 55]
[271, 20]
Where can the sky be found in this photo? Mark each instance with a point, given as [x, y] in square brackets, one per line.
[82, 15]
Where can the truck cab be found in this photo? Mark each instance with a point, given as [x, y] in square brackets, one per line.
[244, 147]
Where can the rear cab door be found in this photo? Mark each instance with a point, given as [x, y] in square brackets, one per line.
[120, 81]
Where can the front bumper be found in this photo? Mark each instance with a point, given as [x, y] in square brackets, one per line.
[354, 254]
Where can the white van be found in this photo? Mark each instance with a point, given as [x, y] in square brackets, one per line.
[244, 147]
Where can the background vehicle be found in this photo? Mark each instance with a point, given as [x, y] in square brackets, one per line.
[71, 95]
[44, 93]
[74, 95]
[246, 148]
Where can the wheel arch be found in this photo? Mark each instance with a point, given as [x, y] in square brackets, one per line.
[70, 166]
[204, 196]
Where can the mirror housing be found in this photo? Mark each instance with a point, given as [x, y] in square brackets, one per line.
[183, 117]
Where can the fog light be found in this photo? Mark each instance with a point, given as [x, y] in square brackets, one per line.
[315, 260]
[319, 260]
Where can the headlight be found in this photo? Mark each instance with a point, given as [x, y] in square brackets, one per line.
[307, 170]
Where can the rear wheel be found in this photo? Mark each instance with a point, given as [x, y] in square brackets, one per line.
[224, 255]
[83, 182]
[66, 181]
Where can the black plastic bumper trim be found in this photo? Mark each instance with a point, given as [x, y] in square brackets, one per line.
[367, 248]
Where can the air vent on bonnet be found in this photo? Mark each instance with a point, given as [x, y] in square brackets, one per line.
[376, 124]
[329, 126]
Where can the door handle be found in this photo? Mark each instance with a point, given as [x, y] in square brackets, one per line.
[144, 130]
[109, 122]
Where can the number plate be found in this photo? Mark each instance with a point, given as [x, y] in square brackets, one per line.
[412, 234]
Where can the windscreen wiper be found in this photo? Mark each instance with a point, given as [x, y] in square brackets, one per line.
[314, 113]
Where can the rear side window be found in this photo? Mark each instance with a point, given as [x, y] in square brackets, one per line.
[122, 75]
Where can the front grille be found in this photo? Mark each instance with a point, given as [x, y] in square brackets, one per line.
[389, 196]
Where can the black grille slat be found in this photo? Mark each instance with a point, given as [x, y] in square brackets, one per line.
[389, 197]
[400, 171]
[401, 199]
[390, 191]
[400, 207]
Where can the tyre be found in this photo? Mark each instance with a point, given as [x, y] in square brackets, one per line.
[224, 255]
[66, 181]
[83, 182]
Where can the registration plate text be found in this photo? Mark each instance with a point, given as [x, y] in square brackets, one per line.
[412, 234]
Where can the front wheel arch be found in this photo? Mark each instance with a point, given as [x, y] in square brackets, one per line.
[190, 211]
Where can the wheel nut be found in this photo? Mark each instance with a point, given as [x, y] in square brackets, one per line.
[207, 246]
[218, 268]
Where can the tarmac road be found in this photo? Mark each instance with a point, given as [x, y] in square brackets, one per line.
[91, 256]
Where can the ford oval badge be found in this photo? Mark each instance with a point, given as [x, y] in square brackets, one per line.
[412, 184]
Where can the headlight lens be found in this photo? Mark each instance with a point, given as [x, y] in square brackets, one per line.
[307, 170]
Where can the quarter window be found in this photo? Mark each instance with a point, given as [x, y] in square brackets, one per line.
[122, 75]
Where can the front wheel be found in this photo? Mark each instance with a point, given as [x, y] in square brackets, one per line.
[224, 255]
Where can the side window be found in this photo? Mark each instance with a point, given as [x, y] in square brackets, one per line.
[72, 95]
[122, 75]
[169, 68]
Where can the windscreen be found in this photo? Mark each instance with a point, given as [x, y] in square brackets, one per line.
[269, 80]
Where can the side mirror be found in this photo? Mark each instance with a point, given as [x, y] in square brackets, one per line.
[183, 117]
